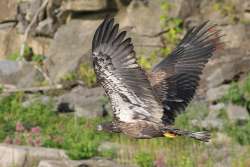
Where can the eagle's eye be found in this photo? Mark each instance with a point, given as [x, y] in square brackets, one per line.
[99, 128]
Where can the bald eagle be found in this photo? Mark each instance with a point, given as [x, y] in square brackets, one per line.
[145, 105]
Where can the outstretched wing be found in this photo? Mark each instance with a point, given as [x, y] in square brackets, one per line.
[176, 78]
[124, 81]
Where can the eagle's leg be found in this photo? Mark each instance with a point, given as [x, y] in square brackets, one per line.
[172, 132]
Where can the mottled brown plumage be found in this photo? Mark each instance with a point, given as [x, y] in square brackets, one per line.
[146, 107]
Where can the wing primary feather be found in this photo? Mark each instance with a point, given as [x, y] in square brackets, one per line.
[126, 84]
[178, 75]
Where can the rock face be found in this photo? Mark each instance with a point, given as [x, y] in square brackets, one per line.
[83, 163]
[21, 156]
[72, 43]
[89, 5]
[237, 113]
[85, 102]
[227, 66]
[10, 42]
[7, 9]
[18, 74]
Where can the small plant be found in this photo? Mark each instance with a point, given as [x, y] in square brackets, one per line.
[40, 125]
[25, 136]
[38, 58]
[226, 8]
[144, 159]
[241, 134]
[147, 62]
[13, 56]
[71, 76]
[87, 74]
[1, 88]
[174, 27]
[239, 94]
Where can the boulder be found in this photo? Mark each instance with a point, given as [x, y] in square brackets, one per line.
[24, 156]
[246, 11]
[147, 23]
[98, 162]
[7, 9]
[88, 5]
[85, 102]
[212, 121]
[216, 107]
[18, 74]
[214, 94]
[234, 35]
[10, 42]
[225, 67]
[12, 156]
[237, 113]
[142, 28]
[71, 44]
[183, 9]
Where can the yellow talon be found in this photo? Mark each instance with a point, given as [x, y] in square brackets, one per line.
[169, 135]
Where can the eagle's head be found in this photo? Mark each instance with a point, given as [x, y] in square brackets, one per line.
[108, 127]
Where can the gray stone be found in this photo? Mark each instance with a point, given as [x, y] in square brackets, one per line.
[142, 28]
[226, 66]
[216, 107]
[88, 5]
[34, 98]
[10, 42]
[71, 44]
[12, 156]
[97, 162]
[46, 28]
[237, 113]
[85, 102]
[24, 156]
[214, 94]
[212, 121]
[234, 35]
[7, 9]
[149, 17]
[18, 74]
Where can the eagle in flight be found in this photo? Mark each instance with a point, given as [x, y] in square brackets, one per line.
[145, 105]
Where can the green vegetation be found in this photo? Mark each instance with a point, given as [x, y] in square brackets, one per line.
[148, 62]
[174, 30]
[87, 75]
[227, 9]
[144, 159]
[39, 125]
[76, 135]
[84, 73]
[174, 27]
[239, 94]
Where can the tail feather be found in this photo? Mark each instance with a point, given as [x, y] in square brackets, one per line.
[201, 136]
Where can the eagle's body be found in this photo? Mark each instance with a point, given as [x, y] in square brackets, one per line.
[145, 107]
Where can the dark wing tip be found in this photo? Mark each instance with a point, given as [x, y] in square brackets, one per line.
[101, 32]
